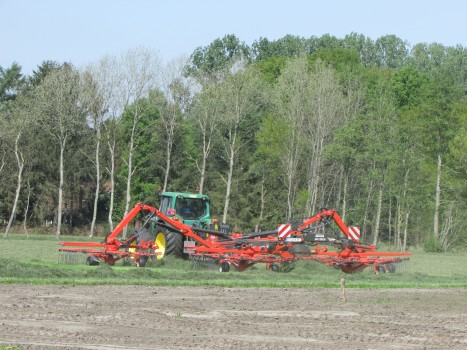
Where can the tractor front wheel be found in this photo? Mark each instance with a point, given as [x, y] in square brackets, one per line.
[168, 242]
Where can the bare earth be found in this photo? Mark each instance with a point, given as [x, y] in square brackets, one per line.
[133, 317]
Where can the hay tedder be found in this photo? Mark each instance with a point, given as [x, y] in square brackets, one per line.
[278, 248]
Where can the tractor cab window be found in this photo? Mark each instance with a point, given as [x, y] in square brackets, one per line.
[190, 208]
[165, 204]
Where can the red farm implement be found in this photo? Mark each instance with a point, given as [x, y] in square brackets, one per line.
[277, 248]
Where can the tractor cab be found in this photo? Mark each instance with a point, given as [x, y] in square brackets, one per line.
[190, 208]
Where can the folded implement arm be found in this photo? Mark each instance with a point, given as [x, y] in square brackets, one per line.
[112, 250]
[350, 255]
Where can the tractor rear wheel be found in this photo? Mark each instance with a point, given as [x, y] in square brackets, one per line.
[169, 243]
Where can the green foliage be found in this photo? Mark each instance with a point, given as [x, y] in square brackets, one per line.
[432, 245]
[218, 55]
[407, 83]
[11, 81]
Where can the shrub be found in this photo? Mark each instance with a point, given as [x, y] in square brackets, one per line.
[432, 244]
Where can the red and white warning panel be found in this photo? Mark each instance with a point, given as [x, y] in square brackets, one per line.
[284, 230]
[354, 233]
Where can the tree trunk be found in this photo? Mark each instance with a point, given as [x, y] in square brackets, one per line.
[168, 155]
[26, 211]
[128, 181]
[397, 235]
[98, 180]
[406, 225]
[437, 197]
[20, 164]
[229, 176]
[367, 208]
[344, 196]
[60, 188]
[261, 209]
[206, 150]
[390, 220]
[202, 175]
[378, 215]
[112, 181]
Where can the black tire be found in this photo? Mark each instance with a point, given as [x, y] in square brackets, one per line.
[224, 267]
[92, 260]
[300, 250]
[144, 236]
[391, 268]
[275, 268]
[142, 261]
[173, 242]
[380, 268]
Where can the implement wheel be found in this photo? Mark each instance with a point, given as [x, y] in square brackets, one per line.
[299, 250]
[142, 261]
[92, 260]
[274, 268]
[224, 267]
[144, 236]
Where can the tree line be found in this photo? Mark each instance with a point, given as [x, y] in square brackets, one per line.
[271, 132]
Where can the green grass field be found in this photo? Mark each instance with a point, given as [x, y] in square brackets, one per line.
[37, 261]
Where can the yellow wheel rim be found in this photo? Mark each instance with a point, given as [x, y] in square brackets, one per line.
[161, 245]
[131, 249]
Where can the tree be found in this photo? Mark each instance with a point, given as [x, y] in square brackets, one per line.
[436, 119]
[100, 83]
[206, 117]
[17, 126]
[391, 51]
[218, 55]
[177, 100]
[11, 80]
[240, 93]
[60, 115]
[291, 103]
[139, 70]
[325, 114]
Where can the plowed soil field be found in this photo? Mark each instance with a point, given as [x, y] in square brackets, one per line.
[133, 317]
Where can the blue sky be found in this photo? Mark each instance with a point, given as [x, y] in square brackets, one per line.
[82, 31]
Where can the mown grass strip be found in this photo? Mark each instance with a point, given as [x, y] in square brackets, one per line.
[180, 273]
[36, 261]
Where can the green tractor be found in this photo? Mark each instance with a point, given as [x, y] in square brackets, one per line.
[193, 209]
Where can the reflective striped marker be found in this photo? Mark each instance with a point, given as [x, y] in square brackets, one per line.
[284, 230]
[354, 233]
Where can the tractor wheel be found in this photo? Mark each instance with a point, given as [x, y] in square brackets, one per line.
[169, 243]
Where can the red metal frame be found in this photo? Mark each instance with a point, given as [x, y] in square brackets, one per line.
[242, 251]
